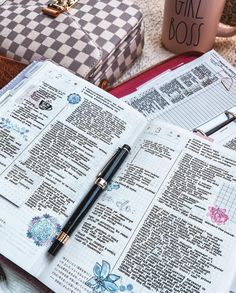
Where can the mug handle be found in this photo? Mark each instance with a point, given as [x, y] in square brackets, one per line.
[226, 30]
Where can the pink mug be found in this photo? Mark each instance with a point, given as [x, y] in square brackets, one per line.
[192, 25]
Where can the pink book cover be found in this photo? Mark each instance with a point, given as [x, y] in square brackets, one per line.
[133, 83]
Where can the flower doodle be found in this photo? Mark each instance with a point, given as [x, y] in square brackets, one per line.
[43, 230]
[74, 98]
[218, 215]
[7, 124]
[113, 185]
[103, 281]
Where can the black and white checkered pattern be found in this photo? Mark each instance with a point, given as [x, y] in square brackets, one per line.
[95, 39]
[121, 58]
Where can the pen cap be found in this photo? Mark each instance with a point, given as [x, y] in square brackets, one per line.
[127, 147]
[115, 163]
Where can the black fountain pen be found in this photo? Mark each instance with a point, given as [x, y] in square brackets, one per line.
[103, 178]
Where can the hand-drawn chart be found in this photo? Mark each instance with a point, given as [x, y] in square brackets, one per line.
[226, 199]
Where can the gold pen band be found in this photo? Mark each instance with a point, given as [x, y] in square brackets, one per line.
[63, 237]
[101, 183]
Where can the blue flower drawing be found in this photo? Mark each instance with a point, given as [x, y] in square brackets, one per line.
[74, 98]
[103, 281]
[7, 124]
[43, 230]
[113, 185]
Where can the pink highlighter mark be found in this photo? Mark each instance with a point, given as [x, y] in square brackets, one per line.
[218, 215]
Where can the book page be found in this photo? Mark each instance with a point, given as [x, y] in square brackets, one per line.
[190, 95]
[57, 131]
[165, 224]
[226, 136]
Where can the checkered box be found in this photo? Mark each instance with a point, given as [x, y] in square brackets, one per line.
[95, 39]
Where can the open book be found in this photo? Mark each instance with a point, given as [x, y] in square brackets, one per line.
[167, 221]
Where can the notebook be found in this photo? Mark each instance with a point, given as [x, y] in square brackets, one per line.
[166, 222]
[199, 96]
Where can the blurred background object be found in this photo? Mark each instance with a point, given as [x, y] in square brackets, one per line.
[154, 52]
[229, 13]
[2, 275]
[9, 69]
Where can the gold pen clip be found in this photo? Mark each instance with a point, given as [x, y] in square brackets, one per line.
[58, 6]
